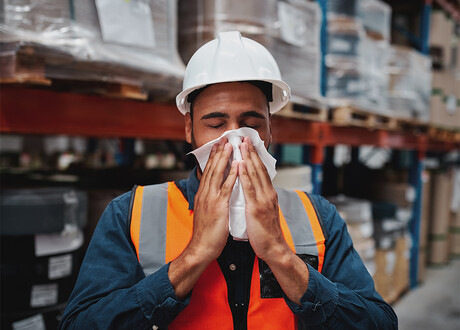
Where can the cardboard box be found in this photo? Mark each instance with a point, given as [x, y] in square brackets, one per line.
[422, 262]
[400, 193]
[426, 209]
[441, 33]
[454, 235]
[392, 270]
[440, 215]
[444, 103]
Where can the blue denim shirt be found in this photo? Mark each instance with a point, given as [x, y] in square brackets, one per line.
[112, 291]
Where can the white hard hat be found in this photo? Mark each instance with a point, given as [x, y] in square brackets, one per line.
[229, 58]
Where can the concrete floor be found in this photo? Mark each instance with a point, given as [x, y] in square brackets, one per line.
[435, 304]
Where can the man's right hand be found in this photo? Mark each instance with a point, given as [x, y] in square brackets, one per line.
[210, 221]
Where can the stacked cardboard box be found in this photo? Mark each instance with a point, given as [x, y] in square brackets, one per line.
[357, 214]
[392, 270]
[424, 225]
[440, 215]
[441, 35]
[445, 97]
[289, 29]
[409, 83]
[454, 230]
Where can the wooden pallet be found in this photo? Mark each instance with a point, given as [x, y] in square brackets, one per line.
[444, 134]
[311, 110]
[351, 116]
[32, 64]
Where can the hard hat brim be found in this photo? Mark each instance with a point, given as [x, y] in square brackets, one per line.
[281, 94]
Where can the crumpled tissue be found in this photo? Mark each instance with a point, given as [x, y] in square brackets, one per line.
[237, 217]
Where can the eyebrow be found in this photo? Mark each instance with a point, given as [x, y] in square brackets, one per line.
[252, 114]
[215, 115]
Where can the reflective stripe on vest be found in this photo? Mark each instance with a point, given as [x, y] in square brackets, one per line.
[161, 228]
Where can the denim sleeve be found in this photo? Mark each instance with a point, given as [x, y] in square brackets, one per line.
[343, 295]
[112, 291]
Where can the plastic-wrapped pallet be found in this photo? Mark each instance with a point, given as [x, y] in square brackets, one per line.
[289, 29]
[343, 10]
[376, 19]
[409, 88]
[374, 57]
[357, 214]
[131, 42]
[345, 76]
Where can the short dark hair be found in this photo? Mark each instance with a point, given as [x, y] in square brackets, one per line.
[265, 87]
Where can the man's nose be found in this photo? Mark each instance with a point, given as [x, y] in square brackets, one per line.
[233, 125]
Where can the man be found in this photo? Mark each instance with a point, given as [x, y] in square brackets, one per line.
[162, 256]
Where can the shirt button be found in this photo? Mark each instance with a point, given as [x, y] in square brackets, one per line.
[232, 267]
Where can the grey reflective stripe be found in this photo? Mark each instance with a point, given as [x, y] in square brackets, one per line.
[152, 236]
[298, 222]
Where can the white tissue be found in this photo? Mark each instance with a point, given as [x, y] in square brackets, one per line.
[237, 217]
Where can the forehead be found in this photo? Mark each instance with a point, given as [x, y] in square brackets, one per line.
[228, 97]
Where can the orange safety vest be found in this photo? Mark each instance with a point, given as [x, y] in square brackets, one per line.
[161, 228]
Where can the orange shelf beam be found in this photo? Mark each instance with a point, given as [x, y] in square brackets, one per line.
[26, 110]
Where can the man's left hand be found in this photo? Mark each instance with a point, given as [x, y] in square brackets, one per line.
[263, 225]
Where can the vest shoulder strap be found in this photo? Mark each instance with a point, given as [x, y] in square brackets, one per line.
[303, 222]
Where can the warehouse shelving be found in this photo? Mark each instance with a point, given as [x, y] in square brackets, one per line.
[24, 111]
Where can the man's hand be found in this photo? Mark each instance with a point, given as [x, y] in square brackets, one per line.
[210, 221]
[263, 225]
[211, 212]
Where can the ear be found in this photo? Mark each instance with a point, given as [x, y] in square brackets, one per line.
[188, 128]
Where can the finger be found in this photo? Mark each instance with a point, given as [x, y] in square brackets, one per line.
[250, 167]
[217, 177]
[212, 161]
[249, 191]
[256, 168]
[205, 175]
[229, 183]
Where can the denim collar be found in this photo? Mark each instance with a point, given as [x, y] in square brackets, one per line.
[189, 187]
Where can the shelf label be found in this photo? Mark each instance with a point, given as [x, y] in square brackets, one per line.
[44, 295]
[35, 322]
[60, 266]
[126, 22]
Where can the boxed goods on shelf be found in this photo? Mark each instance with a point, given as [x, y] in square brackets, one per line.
[454, 230]
[425, 219]
[357, 214]
[445, 99]
[377, 19]
[389, 223]
[344, 40]
[41, 250]
[289, 29]
[290, 177]
[78, 40]
[409, 83]
[374, 58]
[454, 235]
[345, 84]
[440, 215]
[341, 10]
[399, 193]
[392, 270]
[441, 33]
